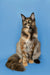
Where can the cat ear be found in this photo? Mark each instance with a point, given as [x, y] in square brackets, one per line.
[23, 17]
[32, 16]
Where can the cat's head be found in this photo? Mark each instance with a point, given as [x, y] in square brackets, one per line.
[28, 22]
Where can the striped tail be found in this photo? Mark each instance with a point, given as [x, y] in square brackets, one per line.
[13, 63]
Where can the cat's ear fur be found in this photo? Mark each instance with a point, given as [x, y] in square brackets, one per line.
[32, 16]
[23, 17]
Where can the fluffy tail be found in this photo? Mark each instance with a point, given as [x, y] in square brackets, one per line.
[13, 63]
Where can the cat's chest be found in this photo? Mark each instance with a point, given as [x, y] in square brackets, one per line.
[28, 46]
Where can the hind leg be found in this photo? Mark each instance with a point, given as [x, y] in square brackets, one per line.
[36, 53]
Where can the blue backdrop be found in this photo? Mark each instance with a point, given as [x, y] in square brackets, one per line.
[10, 32]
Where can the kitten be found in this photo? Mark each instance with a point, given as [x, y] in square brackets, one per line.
[28, 47]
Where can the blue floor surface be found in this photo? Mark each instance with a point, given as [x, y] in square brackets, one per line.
[10, 32]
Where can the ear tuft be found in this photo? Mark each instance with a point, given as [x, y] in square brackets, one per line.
[32, 16]
[23, 17]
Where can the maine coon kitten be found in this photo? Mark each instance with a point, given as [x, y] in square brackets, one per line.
[28, 47]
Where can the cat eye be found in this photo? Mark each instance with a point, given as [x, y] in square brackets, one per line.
[25, 22]
[29, 21]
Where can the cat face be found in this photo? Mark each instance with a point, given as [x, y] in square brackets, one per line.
[28, 22]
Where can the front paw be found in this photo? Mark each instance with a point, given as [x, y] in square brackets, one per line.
[31, 61]
[37, 61]
[25, 64]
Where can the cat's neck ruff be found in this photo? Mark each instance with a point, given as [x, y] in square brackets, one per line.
[26, 40]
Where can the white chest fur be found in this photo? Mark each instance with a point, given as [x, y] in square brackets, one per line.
[28, 45]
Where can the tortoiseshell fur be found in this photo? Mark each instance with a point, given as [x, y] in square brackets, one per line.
[28, 47]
